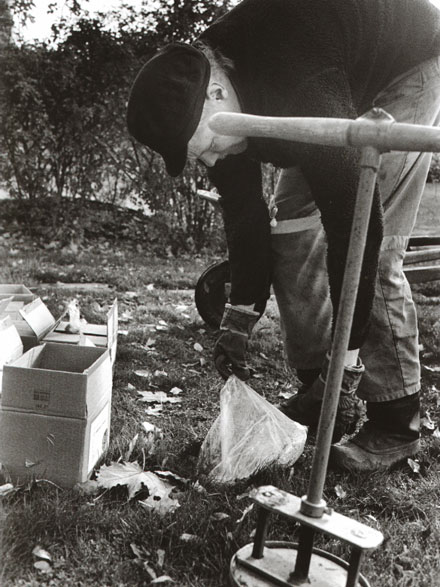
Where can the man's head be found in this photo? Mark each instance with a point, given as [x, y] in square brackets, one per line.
[171, 101]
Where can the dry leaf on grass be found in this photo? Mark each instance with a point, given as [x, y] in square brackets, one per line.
[157, 397]
[426, 422]
[161, 506]
[143, 373]
[6, 489]
[135, 478]
[340, 491]
[176, 390]
[415, 466]
[154, 411]
[43, 566]
[162, 579]
[39, 552]
[151, 428]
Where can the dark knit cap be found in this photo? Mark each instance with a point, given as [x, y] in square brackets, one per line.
[166, 102]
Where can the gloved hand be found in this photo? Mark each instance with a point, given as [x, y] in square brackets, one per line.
[230, 349]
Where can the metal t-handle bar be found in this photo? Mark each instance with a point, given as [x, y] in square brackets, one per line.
[383, 133]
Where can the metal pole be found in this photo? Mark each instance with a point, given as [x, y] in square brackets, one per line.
[370, 161]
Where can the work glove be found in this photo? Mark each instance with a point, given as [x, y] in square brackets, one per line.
[230, 348]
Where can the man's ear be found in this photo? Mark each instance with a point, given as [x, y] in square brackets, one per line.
[216, 91]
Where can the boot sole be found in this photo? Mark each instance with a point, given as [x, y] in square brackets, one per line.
[353, 458]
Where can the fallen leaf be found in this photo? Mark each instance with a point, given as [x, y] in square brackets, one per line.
[154, 411]
[158, 397]
[43, 567]
[435, 369]
[198, 347]
[161, 327]
[41, 553]
[150, 287]
[415, 466]
[160, 557]
[151, 428]
[123, 332]
[134, 477]
[189, 537]
[125, 317]
[143, 373]
[176, 390]
[150, 343]
[150, 571]
[173, 477]
[219, 516]
[160, 373]
[245, 513]
[340, 491]
[426, 422]
[436, 433]
[161, 506]
[6, 489]
[130, 387]
[152, 396]
[162, 579]
[138, 552]
[286, 394]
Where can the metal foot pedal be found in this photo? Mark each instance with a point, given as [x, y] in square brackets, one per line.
[264, 564]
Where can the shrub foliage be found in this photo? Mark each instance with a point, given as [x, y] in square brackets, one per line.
[63, 132]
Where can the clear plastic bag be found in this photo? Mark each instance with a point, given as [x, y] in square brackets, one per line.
[248, 435]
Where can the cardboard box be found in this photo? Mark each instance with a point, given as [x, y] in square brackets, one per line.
[32, 320]
[55, 413]
[17, 292]
[99, 335]
[11, 347]
[36, 324]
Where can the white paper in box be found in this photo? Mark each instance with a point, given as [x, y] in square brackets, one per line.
[100, 335]
[11, 346]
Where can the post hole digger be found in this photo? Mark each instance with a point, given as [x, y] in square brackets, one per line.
[269, 563]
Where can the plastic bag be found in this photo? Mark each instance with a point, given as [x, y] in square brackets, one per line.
[248, 435]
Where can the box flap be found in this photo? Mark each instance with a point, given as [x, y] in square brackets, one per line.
[17, 291]
[10, 341]
[38, 317]
[11, 346]
[4, 303]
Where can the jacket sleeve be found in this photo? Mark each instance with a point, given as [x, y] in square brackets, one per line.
[333, 175]
[246, 219]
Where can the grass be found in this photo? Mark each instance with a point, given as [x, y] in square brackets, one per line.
[106, 539]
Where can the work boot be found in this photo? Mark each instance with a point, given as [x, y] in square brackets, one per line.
[305, 408]
[391, 434]
[307, 378]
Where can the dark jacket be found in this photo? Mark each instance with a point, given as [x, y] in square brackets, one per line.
[325, 58]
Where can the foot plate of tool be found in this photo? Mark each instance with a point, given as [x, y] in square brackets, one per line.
[277, 564]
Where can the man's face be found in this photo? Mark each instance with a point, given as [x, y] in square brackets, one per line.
[206, 145]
